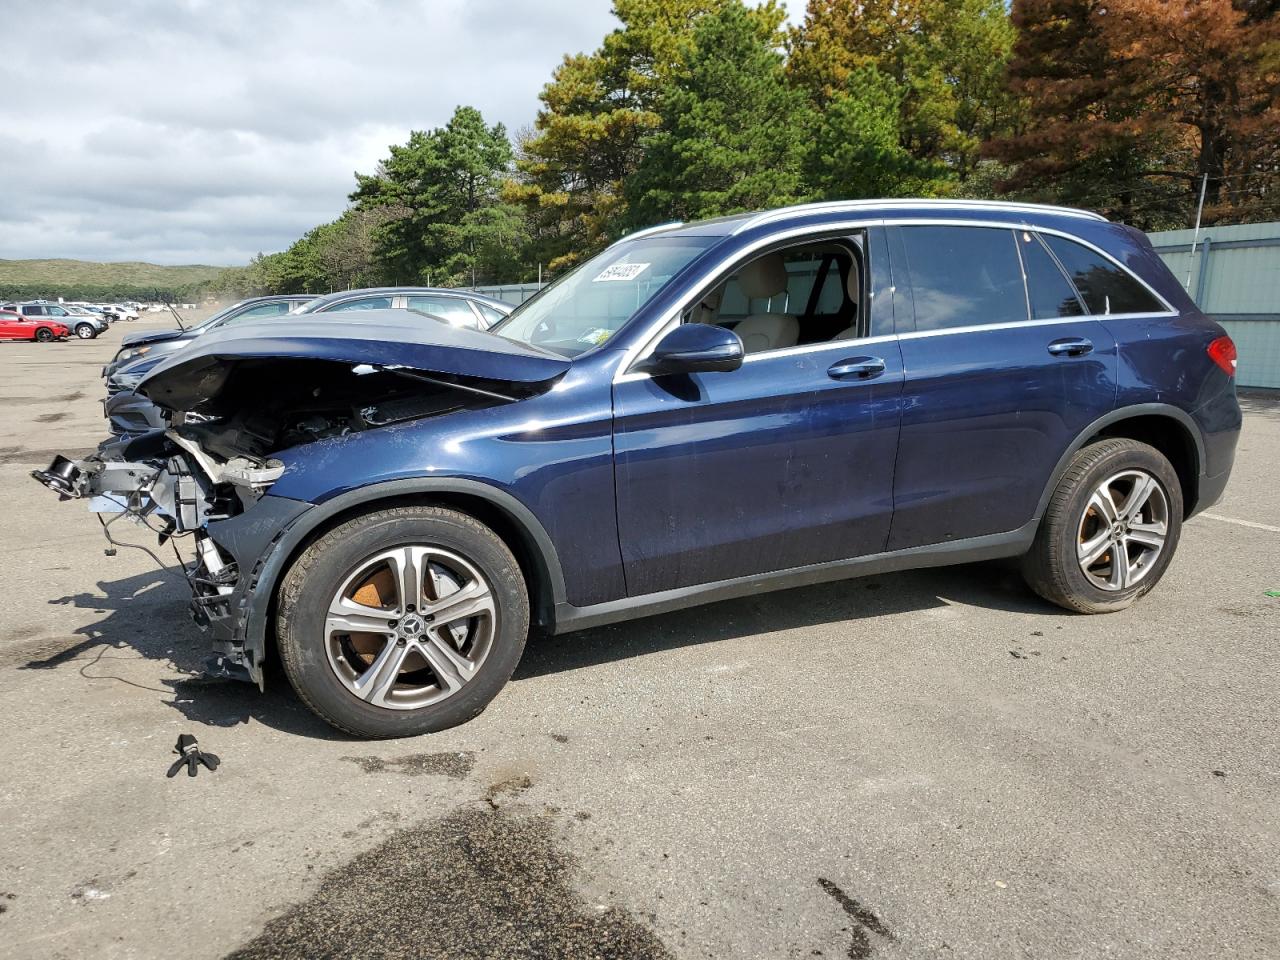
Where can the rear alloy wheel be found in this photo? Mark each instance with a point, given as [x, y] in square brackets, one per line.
[1110, 529]
[85, 331]
[403, 621]
[44, 334]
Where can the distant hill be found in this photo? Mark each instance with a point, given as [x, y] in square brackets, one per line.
[81, 279]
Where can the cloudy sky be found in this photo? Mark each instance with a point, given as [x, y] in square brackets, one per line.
[204, 131]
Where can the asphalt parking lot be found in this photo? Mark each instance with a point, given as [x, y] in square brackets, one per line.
[929, 764]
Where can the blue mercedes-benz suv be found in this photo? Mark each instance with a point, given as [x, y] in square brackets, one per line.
[700, 412]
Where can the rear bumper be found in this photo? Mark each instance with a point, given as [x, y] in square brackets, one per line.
[1220, 421]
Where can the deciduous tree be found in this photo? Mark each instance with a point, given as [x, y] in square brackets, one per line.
[1132, 102]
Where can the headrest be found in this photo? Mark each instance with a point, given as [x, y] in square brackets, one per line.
[764, 277]
[854, 286]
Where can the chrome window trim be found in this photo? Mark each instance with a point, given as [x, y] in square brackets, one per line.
[633, 376]
[671, 318]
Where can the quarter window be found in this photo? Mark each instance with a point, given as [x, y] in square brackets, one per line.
[1048, 289]
[490, 314]
[1103, 285]
[964, 276]
[453, 311]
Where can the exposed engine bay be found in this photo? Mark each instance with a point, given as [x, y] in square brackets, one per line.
[214, 459]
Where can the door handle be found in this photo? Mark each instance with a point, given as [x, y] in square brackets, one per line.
[1071, 347]
[856, 368]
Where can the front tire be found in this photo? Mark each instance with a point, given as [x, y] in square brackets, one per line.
[402, 621]
[44, 334]
[85, 331]
[1110, 530]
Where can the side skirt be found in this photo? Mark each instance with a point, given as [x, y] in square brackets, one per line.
[1012, 544]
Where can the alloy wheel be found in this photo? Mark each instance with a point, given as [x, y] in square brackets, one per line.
[84, 331]
[1123, 530]
[410, 626]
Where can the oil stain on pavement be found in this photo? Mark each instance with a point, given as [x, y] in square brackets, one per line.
[864, 921]
[452, 765]
[481, 883]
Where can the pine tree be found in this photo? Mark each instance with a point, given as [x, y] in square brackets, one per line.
[441, 193]
[732, 132]
[597, 109]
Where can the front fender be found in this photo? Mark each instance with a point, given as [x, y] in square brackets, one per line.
[265, 540]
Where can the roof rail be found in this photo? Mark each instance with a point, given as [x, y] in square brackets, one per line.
[837, 206]
[646, 231]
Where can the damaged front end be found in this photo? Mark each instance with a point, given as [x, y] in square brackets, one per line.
[165, 481]
[230, 404]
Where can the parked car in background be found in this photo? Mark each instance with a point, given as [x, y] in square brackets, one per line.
[119, 311]
[700, 412]
[80, 310]
[458, 308]
[86, 327]
[157, 343]
[14, 326]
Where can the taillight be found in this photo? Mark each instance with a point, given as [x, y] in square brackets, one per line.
[1223, 352]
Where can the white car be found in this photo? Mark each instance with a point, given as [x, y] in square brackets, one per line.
[118, 311]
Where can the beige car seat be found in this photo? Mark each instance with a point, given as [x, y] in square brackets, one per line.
[854, 287]
[763, 279]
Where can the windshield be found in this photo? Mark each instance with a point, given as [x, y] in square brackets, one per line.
[587, 306]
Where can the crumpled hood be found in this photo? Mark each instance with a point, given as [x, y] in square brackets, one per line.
[396, 339]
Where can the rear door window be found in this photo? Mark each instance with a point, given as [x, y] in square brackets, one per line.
[964, 276]
[1048, 289]
[1104, 286]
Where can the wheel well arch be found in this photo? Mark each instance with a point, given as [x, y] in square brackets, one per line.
[1167, 428]
[1172, 439]
[513, 523]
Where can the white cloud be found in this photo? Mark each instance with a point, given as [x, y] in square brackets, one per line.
[204, 131]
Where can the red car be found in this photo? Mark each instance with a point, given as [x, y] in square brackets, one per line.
[16, 327]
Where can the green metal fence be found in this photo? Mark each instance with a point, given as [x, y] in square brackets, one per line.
[1234, 276]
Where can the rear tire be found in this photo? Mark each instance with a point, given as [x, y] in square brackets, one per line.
[44, 334]
[1098, 549]
[376, 656]
[86, 331]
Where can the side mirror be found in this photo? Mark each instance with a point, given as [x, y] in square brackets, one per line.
[695, 348]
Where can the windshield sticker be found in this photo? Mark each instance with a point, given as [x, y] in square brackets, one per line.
[621, 271]
[597, 336]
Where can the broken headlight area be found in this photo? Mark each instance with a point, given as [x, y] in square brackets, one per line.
[205, 472]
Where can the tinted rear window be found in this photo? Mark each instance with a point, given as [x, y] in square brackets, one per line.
[1101, 283]
[964, 276]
